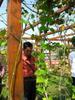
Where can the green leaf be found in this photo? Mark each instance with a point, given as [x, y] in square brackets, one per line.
[40, 90]
[44, 99]
[45, 19]
[50, 20]
[40, 80]
[51, 29]
[32, 16]
[3, 43]
[40, 63]
[43, 28]
[43, 45]
[23, 21]
[41, 72]
[2, 32]
[50, 98]
[41, 55]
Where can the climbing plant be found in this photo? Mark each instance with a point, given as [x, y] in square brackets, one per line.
[3, 60]
[51, 85]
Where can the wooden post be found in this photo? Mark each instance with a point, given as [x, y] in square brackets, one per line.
[15, 77]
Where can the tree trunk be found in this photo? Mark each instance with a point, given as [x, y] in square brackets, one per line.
[15, 77]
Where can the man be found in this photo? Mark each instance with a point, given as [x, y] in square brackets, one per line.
[29, 72]
[72, 62]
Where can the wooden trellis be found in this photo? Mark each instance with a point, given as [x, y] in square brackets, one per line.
[14, 46]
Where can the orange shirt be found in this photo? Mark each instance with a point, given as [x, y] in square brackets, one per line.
[28, 66]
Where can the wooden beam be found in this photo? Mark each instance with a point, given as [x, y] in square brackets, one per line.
[53, 38]
[28, 26]
[15, 77]
[71, 34]
[59, 30]
[60, 10]
[68, 39]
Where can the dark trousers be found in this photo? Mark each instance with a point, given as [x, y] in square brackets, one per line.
[29, 88]
[73, 84]
[0, 85]
[73, 81]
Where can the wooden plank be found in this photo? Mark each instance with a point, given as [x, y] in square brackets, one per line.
[61, 36]
[15, 77]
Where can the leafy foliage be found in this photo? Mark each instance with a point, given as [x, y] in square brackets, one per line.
[48, 5]
[48, 81]
[3, 43]
[3, 52]
[2, 32]
[51, 84]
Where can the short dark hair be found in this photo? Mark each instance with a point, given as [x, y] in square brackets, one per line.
[73, 40]
[27, 44]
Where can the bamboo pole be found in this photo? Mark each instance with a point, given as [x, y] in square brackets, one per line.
[15, 77]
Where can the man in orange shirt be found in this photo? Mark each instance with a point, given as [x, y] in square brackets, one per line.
[29, 72]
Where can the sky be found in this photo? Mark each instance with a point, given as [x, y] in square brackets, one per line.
[3, 10]
[3, 15]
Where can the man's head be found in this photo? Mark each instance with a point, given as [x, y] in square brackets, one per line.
[73, 41]
[27, 47]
